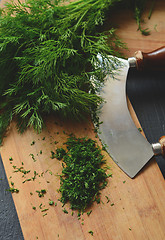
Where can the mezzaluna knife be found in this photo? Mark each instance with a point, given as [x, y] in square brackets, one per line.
[123, 141]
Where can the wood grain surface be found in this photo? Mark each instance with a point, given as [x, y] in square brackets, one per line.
[136, 209]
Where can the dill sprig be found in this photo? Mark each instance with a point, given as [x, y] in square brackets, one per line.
[139, 6]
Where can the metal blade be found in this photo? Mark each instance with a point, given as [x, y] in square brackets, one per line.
[124, 143]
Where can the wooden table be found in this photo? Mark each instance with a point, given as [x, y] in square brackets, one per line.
[136, 209]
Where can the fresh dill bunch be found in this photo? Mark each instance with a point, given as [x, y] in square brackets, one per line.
[48, 56]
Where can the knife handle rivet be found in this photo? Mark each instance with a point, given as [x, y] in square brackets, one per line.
[132, 62]
[157, 149]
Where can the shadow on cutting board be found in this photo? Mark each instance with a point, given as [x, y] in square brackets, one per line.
[9, 223]
[146, 91]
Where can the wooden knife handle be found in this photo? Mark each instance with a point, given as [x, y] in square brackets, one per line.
[154, 60]
[162, 143]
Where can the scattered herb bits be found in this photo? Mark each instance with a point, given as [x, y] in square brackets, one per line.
[40, 206]
[82, 176]
[41, 193]
[35, 174]
[12, 183]
[32, 155]
[33, 142]
[45, 209]
[108, 200]
[21, 170]
[27, 180]
[65, 211]
[89, 212]
[91, 232]
[13, 190]
[51, 203]
[140, 129]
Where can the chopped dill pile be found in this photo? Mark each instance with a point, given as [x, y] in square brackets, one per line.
[82, 176]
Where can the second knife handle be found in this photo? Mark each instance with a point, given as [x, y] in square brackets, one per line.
[162, 143]
[154, 60]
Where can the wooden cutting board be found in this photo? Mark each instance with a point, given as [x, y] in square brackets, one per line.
[136, 209]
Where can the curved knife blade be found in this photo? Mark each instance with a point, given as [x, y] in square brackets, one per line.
[124, 143]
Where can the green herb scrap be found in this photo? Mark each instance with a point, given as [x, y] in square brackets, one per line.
[35, 174]
[13, 190]
[51, 203]
[44, 214]
[32, 155]
[89, 212]
[140, 129]
[108, 200]
[41, 192]
[27, 180]
[65, 211]
[45, 209]
[91, 232]
[139, 6]
[33, 142]
[12, 183]
[21, 169]
[82, 176]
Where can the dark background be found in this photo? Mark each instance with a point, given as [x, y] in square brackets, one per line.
[146, 91]
[9, 224]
